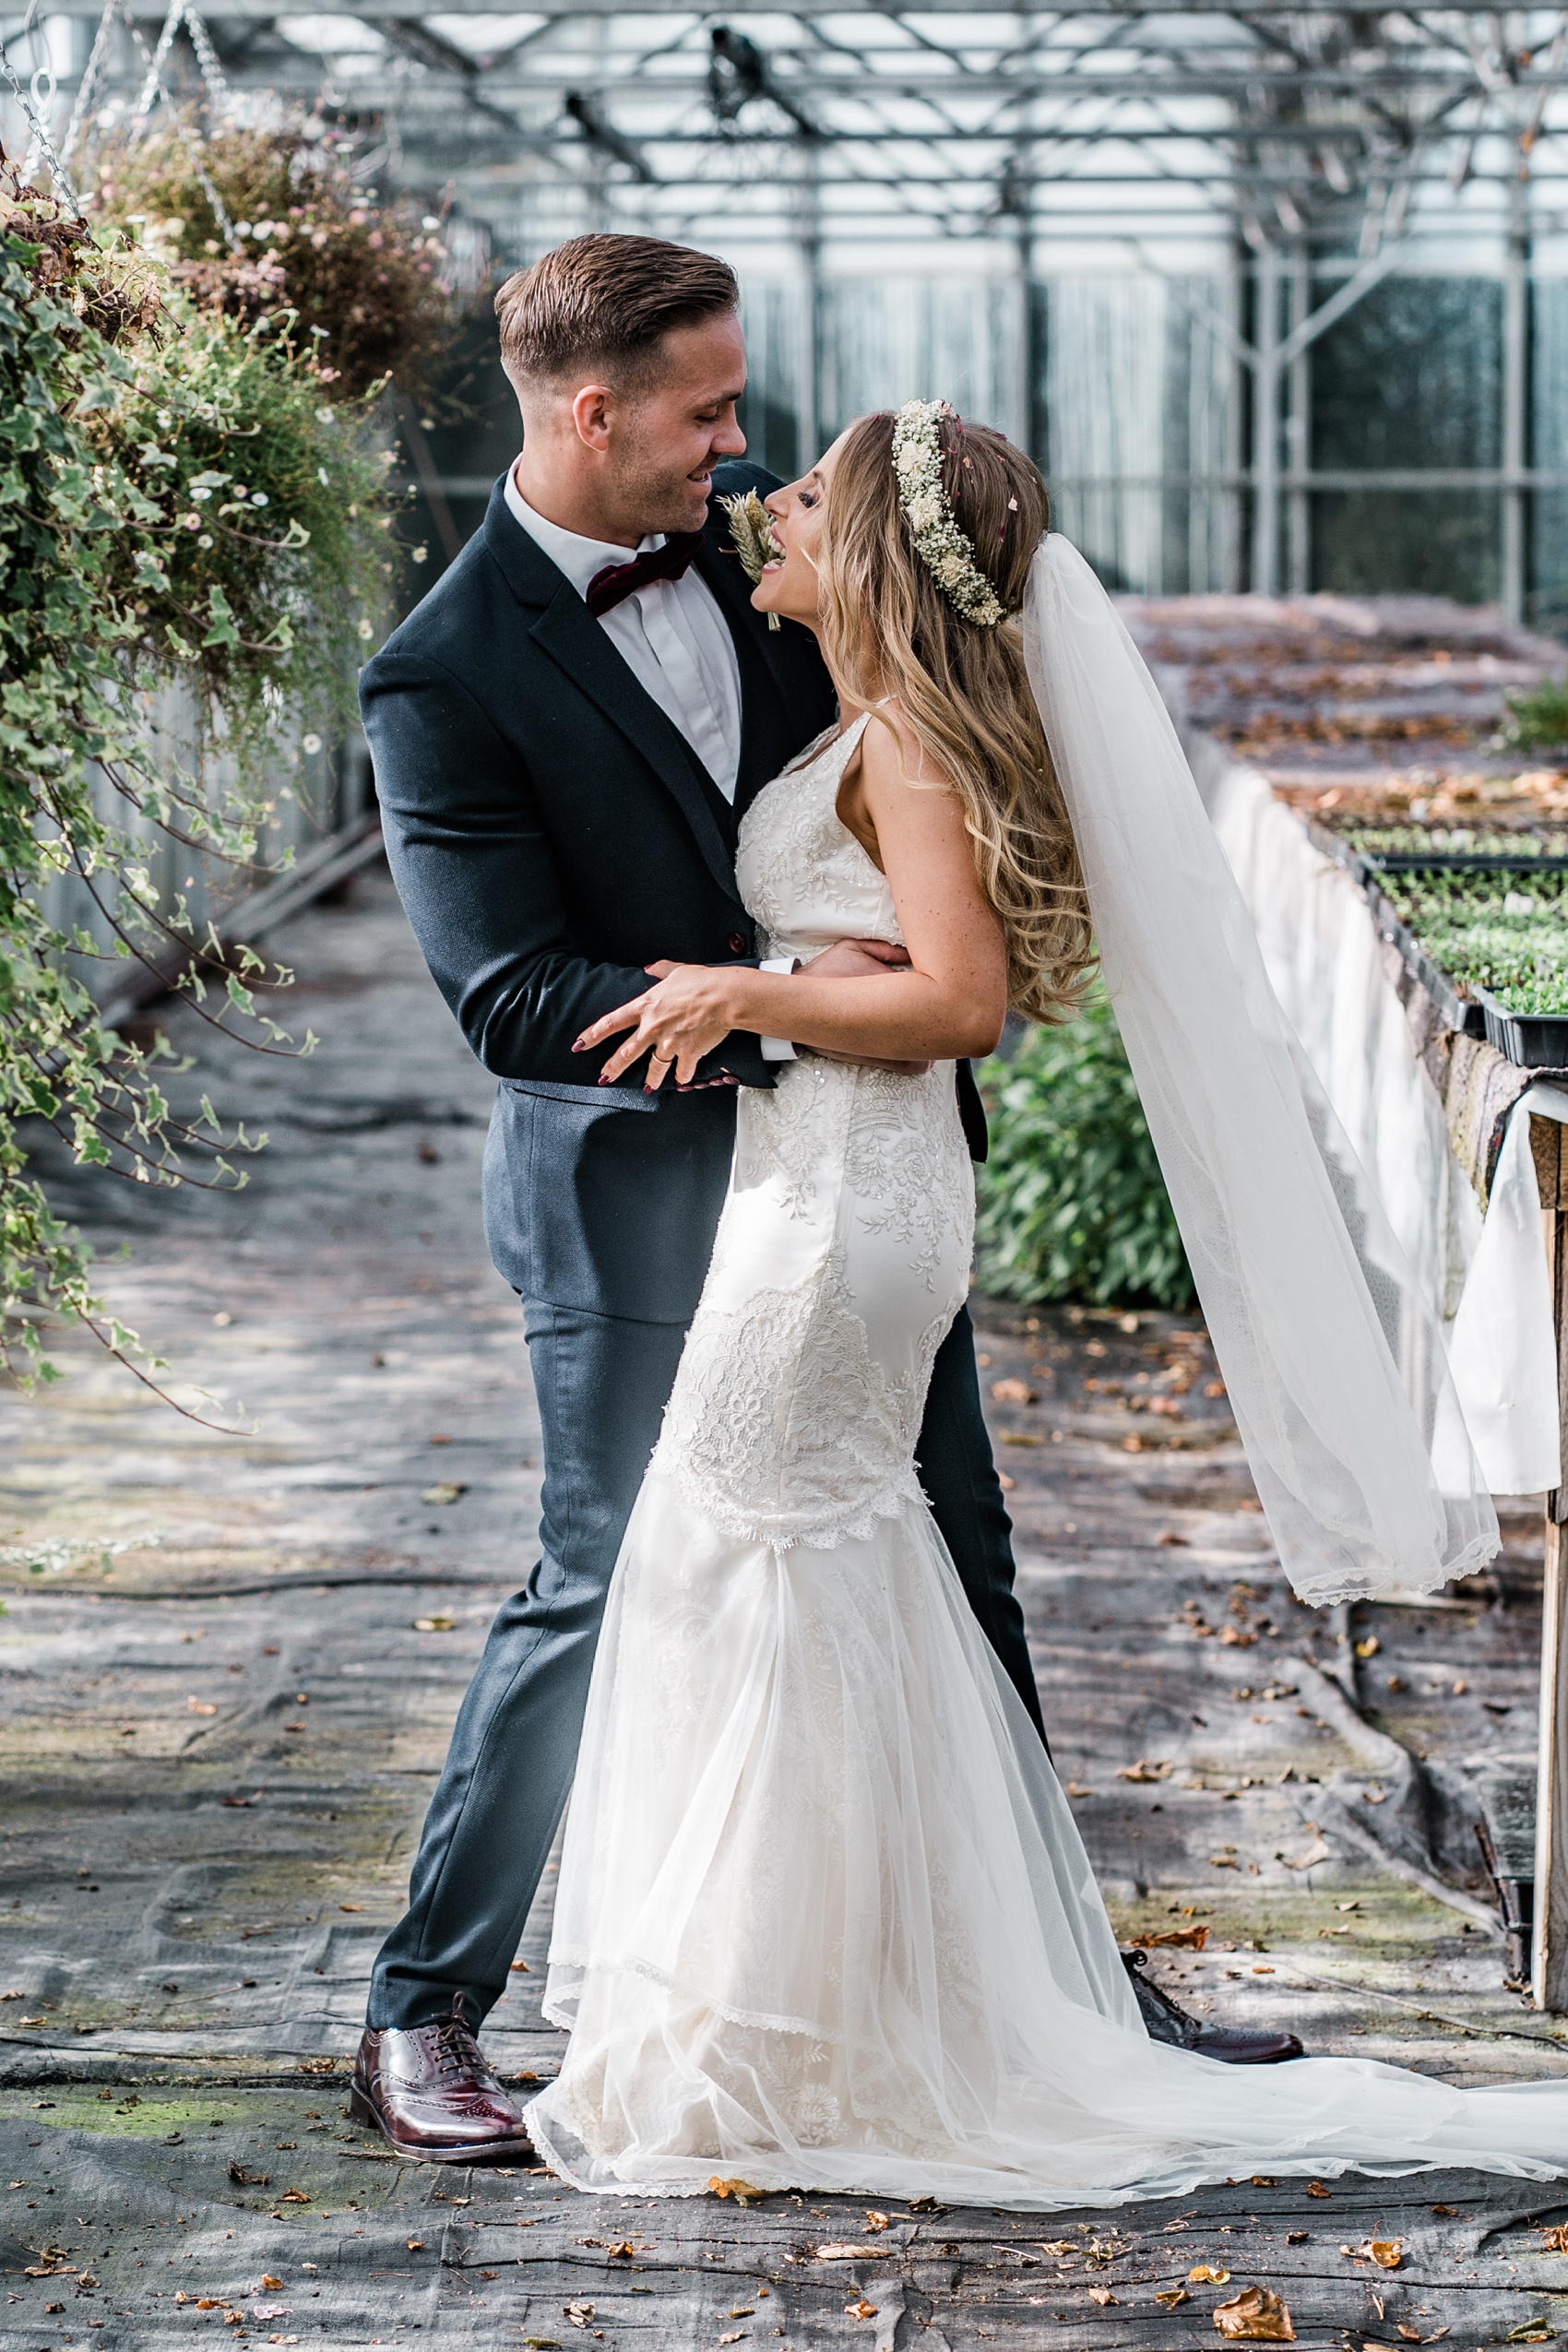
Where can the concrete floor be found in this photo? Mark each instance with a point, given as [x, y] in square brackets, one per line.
[229, 1662]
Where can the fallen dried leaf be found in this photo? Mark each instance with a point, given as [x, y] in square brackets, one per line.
[1531, 2332]
[578, 2313]
[350, 1906]
[416, 2245]
[1168, 1536]
[201, 1706]
[1316, 2188]
[1206, 2274]
[1384, 2251]
[1188, 1939]
[1075, 1788]
[1102, 2295]
[1013, 1392]
[860, 2310]
[623, 2252]
[1553, 2241]
[1171, 2296]
[734, 2335]
[294, 2197]
[269, 2281]
[1144, 1770]
[248, 2180]
[435, 1624]
[875, 2221]
[1318, 1851]
[1255, 2316]
[1369, 1647]
[859, 2253]
[741, 2191]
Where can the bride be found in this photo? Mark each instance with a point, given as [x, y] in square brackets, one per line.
[823, 1917]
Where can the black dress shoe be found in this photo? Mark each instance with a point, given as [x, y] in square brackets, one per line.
[431, 2093]
[1232, 2045]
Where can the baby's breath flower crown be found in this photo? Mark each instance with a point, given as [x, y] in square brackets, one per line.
[946, 552]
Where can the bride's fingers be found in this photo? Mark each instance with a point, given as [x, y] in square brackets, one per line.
[631, 1050]
[623, 1017]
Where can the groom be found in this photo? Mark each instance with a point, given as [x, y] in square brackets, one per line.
[565, 735]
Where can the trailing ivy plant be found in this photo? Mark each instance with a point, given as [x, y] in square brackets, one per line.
[1072, 1202]
[178, 500]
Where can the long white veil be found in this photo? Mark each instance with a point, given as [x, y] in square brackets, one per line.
[1333, 1362]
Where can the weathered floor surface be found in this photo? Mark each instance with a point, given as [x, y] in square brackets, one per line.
[229, 1662]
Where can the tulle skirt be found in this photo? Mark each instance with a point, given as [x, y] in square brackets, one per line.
[825, 1922]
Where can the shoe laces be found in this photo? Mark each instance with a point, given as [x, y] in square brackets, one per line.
[455, 2051]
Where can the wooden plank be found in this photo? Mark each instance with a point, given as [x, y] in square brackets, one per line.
[1548, 1971]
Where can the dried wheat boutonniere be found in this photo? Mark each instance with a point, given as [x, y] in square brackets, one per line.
[751, 527]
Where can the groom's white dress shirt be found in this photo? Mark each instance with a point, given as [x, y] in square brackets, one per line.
[672, 634]
[677, 644]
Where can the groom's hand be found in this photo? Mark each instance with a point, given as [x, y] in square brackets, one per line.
[859, 959]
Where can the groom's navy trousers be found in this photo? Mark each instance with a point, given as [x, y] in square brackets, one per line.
[551, 833]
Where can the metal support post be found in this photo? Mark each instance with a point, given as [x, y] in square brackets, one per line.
[1266, 427]
[1516, 398]
[1300, 429]
[1549, 1967]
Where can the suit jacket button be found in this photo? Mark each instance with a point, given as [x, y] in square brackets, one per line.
[737, 943]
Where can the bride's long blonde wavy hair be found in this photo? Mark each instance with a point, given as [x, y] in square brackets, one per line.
[962, 690]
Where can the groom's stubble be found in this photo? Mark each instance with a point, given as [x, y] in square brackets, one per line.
[619, 459]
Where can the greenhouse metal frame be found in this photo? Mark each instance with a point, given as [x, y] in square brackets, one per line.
[1263, 169]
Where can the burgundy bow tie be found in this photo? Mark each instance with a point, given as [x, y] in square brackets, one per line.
[617, 581]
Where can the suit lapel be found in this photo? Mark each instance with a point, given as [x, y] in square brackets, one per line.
[566, 631]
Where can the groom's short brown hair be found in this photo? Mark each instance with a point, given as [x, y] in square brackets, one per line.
[605, 301]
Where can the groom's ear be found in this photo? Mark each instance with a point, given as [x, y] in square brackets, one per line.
[591, 409]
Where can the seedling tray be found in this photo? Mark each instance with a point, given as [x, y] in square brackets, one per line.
[1534, 1041]
[1531, 1040]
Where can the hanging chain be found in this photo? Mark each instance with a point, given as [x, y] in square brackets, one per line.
[152, 87]
[154, 82]
[219, 96]
[34, 105]
[88, 82]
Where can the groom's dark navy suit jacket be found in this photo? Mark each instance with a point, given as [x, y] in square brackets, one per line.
[550, 832]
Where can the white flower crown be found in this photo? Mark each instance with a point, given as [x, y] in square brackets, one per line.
[946, 551]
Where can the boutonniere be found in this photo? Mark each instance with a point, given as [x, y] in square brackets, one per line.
[751, 527]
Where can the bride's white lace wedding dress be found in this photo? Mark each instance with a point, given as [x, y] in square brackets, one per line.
[825, 1920]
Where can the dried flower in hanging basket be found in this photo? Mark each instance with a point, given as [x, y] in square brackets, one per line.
[364, 278]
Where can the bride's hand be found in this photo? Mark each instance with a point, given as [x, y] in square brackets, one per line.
[675, 1024]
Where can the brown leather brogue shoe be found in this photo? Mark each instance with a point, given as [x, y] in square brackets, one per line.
[1232, 2045]
[432, 2092]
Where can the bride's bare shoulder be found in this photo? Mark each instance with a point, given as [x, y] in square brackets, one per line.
[890, 753]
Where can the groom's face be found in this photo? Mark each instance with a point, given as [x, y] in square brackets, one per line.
[667, 432]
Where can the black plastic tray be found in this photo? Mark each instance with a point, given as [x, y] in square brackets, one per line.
[1534, 1041]
[1454, 861]
[1531, 1040]
[1465, 1014]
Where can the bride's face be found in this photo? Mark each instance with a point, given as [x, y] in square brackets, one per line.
[791, 587]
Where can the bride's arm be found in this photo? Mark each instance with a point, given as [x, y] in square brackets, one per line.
[950, 1002]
